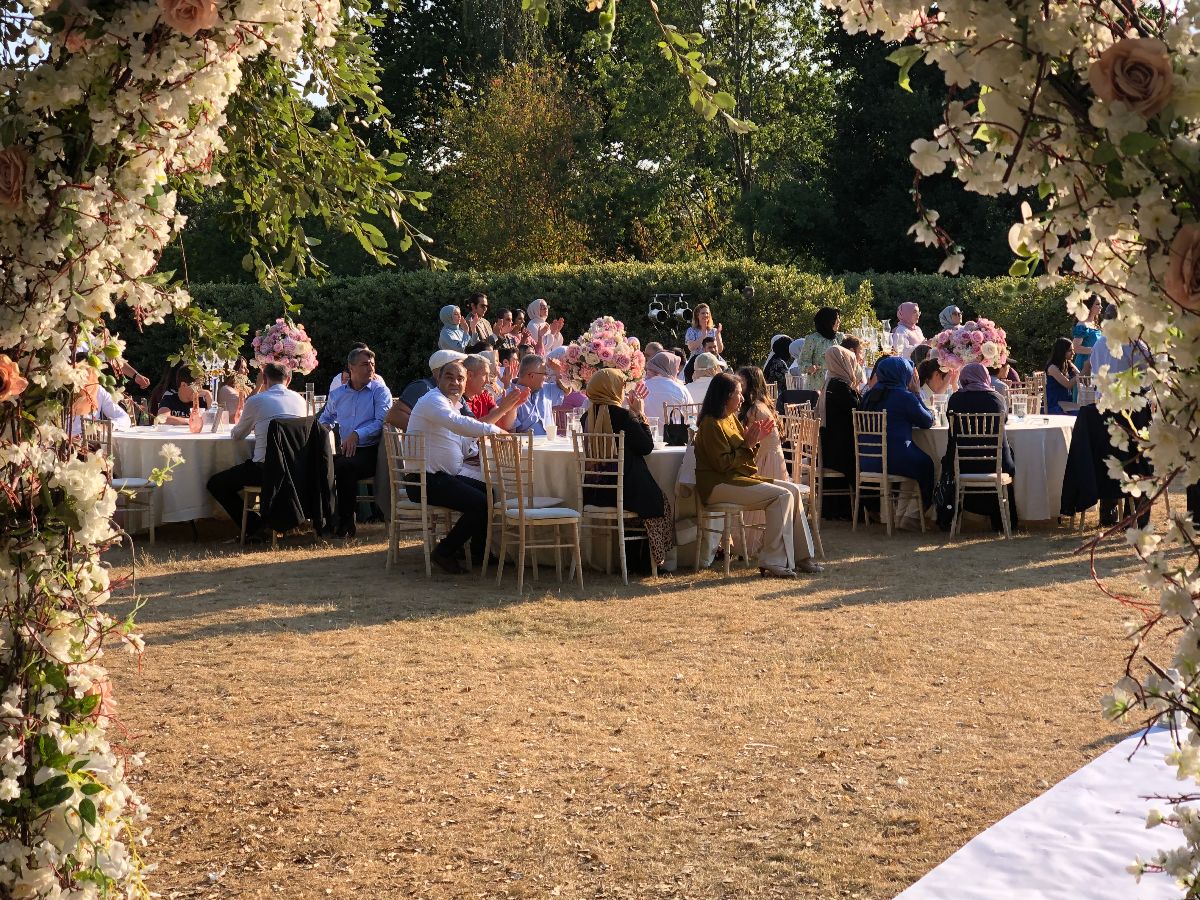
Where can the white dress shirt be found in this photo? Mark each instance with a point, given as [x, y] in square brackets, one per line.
[106, 408]
[449, 435]
[276, 402]
[698, 387]
[661, 390]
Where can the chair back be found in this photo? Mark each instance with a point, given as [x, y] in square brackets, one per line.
[509, 458]
[97, 435]
[804, 434]
[798, 410]
[601, 462]
[773, 391]
[794, 382]
[1038, 382]
[406, 463]
[978, 441]
[870, 440]
[680, 412]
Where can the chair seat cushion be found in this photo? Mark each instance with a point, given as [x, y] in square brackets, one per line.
[549, 512]
[985, 477]
[534, 502]
[723, 507]
[131, 484]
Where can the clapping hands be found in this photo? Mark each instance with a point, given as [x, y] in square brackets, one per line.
[756, 431]
[557, 325]
[635, 400]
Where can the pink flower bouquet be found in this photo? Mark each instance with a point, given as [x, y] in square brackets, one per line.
[603, 346]
[286, 343]
[981, 341]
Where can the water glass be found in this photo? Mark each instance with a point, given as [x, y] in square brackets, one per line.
[1020, 407]
[655, 430]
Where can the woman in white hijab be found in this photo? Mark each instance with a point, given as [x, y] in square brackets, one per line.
[547, 335]
[794, 351]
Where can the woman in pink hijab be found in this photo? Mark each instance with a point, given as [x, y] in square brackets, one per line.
[662, 383]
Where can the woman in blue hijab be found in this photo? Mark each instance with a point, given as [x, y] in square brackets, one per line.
[896, 393]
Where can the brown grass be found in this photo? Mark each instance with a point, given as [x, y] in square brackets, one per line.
[316, 726]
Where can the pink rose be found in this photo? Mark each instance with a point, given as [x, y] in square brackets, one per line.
[11, 381]
[622, 361]
[13, 162]
[573, 353]
[189, 16]
[1182, 282]
[606, 354]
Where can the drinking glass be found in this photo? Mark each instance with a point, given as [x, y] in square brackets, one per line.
[655, 429]
[1020, 407]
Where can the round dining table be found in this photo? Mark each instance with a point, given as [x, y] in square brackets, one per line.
[185, 497]
[556, 473]
[1039, 445]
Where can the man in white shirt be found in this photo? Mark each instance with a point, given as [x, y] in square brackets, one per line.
[271, 401]
[907, 335]
[94, 401]
[452, 475]
[706, 368]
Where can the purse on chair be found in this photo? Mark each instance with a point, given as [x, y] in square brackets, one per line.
[675, 430]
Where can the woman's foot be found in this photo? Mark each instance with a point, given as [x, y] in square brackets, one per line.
[809, 566]
[776, 572]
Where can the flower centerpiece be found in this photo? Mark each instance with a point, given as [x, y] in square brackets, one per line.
[603, 346]
[286, 343]
[980, 341]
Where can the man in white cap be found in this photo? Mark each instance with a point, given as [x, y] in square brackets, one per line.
[707, 366]
[403, 407]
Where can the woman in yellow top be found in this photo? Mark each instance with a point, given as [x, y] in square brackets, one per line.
[726, 473]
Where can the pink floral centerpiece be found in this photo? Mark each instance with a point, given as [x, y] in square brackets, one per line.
[603, 346]
[980, 341]
[286, 343]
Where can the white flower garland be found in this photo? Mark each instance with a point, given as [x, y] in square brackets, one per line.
[1094, 107]
[101, 116]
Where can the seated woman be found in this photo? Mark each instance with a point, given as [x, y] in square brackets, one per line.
[234, 389]
[976, 395]
[896, 392]
[453, 336]
[769, 460]
[935, 381]
[1061, 379]
[642, 495]
[836, 410]
[663, 386]
[176, 402]
[725, 473]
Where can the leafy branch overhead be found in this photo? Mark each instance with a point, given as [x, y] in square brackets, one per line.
[677, 47]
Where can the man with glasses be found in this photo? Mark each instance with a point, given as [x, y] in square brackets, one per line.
[536, 414]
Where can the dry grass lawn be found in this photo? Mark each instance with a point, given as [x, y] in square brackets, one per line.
[318, 727]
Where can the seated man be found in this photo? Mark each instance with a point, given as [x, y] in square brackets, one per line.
[342, 379]
[536, 413]
[415, 390]
[451, 480]
[358, 411]
[271, 400]
[476, 396]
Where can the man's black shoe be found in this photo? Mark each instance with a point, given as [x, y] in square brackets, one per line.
[447, 563]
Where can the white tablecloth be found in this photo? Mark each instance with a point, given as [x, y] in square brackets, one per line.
[556, 474]
[1074, 841]
[185, 497]
[1039, 446]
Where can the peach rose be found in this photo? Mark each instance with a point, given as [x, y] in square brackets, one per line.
[11, 382]
[1182, 283]
[189, 16]
[1136, 71]
[12, 176]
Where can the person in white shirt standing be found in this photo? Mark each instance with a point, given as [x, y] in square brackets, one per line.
[452, 475]
[907, 335]
[271, 401]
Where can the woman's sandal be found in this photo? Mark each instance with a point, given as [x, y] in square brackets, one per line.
[775, 572]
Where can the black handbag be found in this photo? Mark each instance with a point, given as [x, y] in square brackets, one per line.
[943, 498]
[675, 430]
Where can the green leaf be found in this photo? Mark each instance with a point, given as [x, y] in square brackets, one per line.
[906, 58]
[1044, 190]
[1137, 143]
[1019, 267]
[87, 811]
[724, 100]
[91, 788]
[1104, 154]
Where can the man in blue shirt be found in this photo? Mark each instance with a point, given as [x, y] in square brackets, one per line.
[537, 413]
[358, 411]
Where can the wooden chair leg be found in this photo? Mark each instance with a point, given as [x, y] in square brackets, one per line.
[503, 550]
[727, 540]
[558, 545]
[621, 549]
[885, 496]
[487, 544]
[521, 562]
[577, 565]
[854, 499]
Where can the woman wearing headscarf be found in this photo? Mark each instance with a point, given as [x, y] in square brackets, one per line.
[546, 334]
[794, 349]
[950, 317]
[453, 336]
[605, 415]
[775, 368]
[812, 355]
[896, 393]
[663, 385]
[975, 394]
[836, 408]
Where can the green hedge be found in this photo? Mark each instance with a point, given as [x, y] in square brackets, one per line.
[1032, 317]
[397, 312]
